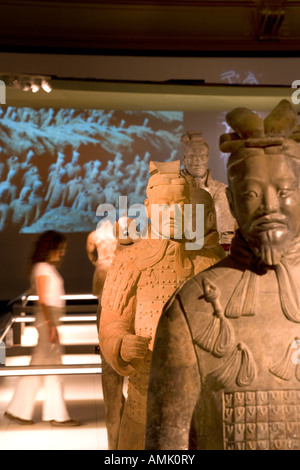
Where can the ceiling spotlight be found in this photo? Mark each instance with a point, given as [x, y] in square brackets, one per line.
[46, 86]
[26, 86]
[34, 88]
[16, 83]
[28, 82]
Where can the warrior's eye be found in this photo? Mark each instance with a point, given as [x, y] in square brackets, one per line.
[249, 194]
[285, 192]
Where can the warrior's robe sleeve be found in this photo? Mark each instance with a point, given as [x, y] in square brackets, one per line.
[118, 305]
[174, 384]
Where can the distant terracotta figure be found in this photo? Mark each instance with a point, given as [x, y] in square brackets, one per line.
[225, 367]
[140, 281]
[101, 245]
[195, 160]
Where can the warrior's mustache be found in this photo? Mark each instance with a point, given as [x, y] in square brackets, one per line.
[268, 222]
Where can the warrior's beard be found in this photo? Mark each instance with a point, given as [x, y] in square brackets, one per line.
[270, 245]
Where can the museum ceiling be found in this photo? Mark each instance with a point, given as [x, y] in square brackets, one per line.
[162, 27]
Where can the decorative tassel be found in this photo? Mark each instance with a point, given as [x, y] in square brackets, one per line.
[239, 367]
[247, 371]
[243, 298]
[218, 336]
[208, 338]
[286, 367]
[225, 338]
[228, 371]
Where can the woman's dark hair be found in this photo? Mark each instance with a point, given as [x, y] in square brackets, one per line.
[46, 242]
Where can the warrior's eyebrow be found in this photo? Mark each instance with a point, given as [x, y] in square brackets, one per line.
[281, 179]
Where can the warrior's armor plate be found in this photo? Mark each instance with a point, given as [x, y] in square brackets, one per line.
[154, 288]
[261, 420]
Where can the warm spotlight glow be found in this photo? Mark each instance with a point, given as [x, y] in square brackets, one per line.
[67, 297]
[35, 88]
[64, 319]
[46, 86]
[58, 370]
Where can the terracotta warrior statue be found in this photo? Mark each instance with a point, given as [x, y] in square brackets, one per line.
[102, 245]
[140, 281]
[195, 160]
[225, 371]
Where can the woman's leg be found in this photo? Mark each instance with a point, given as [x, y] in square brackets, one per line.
[22, 404]
[54, 408]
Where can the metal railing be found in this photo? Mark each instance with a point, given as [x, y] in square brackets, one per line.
[57, 369]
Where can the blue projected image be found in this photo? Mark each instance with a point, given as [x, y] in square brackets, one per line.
[58, 165]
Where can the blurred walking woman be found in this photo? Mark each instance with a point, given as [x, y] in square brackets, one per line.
[48, 284]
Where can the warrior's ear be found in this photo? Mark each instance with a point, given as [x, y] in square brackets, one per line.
[230, 201]
[211, 220]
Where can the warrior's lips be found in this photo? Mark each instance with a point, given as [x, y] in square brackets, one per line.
[270, 223]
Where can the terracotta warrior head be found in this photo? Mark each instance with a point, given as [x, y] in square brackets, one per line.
[196, 154]
[167, 193]
[263, 175]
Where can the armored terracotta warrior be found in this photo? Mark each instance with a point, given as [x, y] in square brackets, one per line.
[102, 245]
[195, 160]
[225, 371]
[140, 281]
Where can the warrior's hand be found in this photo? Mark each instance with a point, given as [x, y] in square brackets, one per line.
[134, 347]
